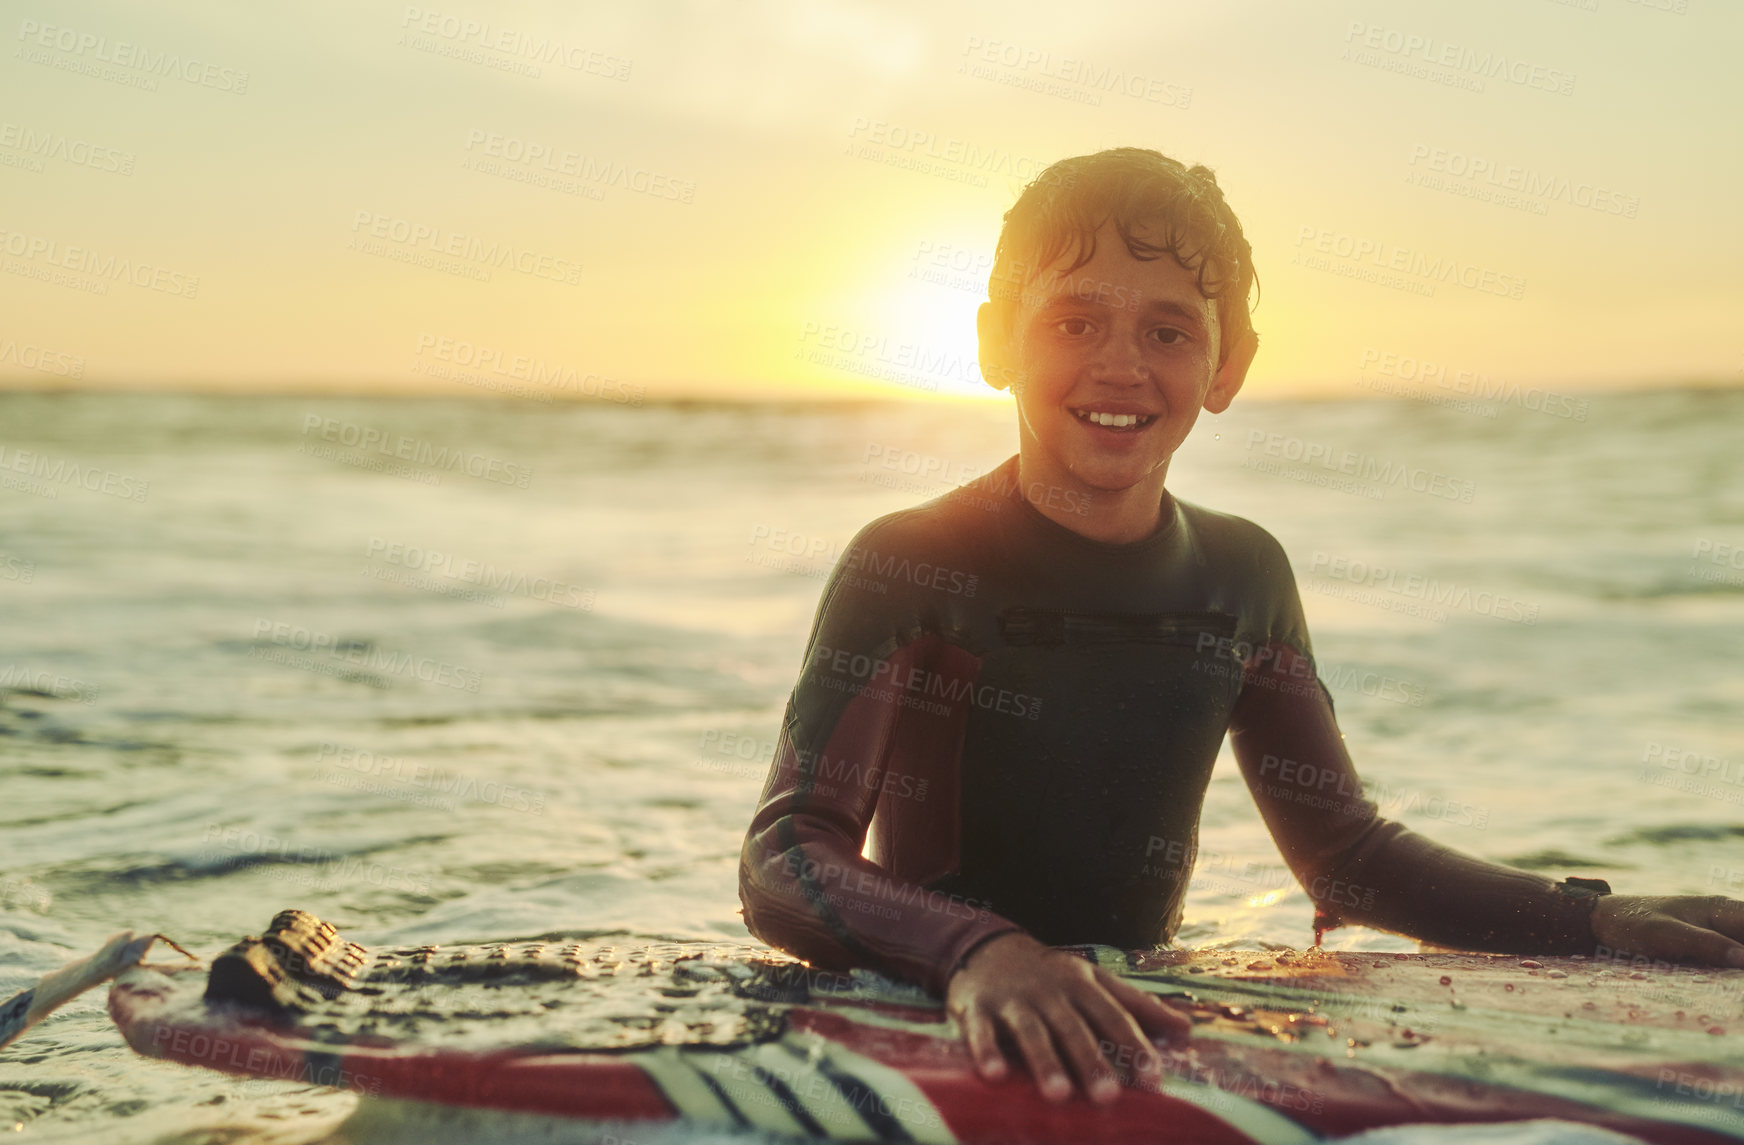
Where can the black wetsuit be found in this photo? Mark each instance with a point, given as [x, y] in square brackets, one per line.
[1003, 724]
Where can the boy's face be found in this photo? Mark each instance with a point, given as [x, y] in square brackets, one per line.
[1110, 366]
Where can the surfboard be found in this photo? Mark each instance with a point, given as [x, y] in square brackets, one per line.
[1288, 1046]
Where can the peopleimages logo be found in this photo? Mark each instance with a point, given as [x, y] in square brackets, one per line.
[1471, 384]
[1078, 79]
[56, 473]
[916, 687]
[509, 366]
[1365, 252]
[420, 559]
[900, 141]
[276, 641]
[556, 160]
[380, 774]
[38, 145]
[1524, 180]
[1363, 466]
[48, 684]
[417, 451]
[424, 29]
[92, 271]
[33, 357]
[17, 568]
[921, 574]
[1426, 596]
[1457, 59]
[90, 49]
[409, 236]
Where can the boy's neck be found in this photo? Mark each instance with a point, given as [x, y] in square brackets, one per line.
[1117, 516]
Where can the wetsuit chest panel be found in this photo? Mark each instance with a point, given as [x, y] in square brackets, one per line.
[1019, 625]
[1060, 813]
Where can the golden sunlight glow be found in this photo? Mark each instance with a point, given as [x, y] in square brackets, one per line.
[801, 199]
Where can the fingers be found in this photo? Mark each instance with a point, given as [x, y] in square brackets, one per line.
[1036, 1045]
[1061, 1013]
[983, 1041]
[1679, 941]
[1073, 1035]
[1726, 915]
[1154, 1015]
[1123, 1040]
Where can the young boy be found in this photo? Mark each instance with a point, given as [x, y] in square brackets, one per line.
[1014, 694]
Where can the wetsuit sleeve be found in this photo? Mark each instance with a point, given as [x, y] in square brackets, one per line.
[804, 882]
[1356, 866]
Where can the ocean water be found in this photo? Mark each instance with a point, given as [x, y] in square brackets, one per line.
[458, 671]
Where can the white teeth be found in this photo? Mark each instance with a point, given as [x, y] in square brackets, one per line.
[1112, 420]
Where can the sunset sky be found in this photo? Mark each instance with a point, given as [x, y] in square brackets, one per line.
[801, 199]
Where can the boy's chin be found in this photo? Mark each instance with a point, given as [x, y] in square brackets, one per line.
[1116, 475]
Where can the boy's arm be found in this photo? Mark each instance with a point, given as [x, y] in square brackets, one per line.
[858, 713]
[1361, 868]
[804, 884]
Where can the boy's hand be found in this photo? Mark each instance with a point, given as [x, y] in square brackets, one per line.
[1708, 930]
[1055, 1005]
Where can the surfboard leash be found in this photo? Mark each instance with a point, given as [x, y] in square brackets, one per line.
[119, 952]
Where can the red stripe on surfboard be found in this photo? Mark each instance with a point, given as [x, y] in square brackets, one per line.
[596, 1086]
[1324, 1097]
[601, 1086]
[1334, 1100]
[1013, 1112]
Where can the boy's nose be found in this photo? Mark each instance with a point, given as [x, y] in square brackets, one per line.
[1121, 360]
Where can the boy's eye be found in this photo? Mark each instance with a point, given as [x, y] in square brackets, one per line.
[1072, 326]
[1169, 335]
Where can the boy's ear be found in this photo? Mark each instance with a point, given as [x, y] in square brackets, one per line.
[993, 335]
[1232, 373]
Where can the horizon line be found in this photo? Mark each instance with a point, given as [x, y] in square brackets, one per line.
[1314, 393]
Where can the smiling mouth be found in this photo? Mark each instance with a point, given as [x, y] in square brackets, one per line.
[1131, 422]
